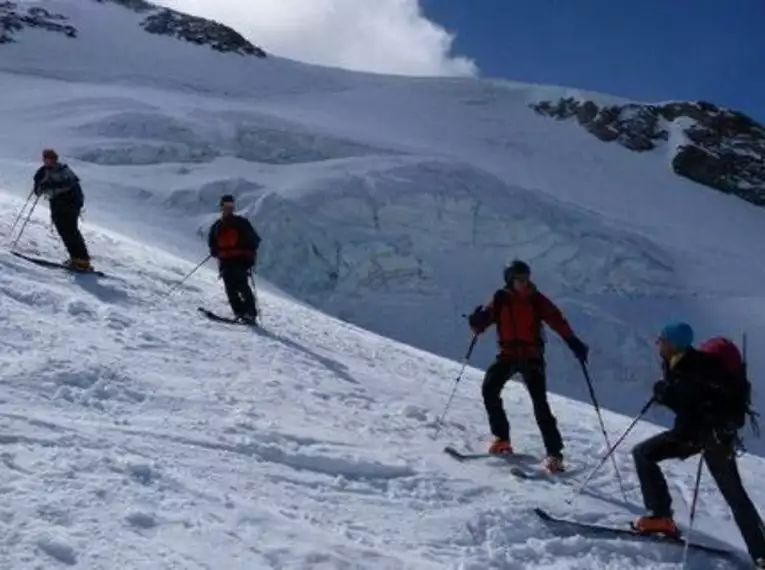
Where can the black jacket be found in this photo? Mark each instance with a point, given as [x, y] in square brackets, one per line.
[60, 185]
[693, 389]
[233, 238]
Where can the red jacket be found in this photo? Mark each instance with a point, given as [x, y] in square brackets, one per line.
[519, 318]
[233, 237]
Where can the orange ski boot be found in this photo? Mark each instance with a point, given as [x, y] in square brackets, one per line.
[657, 525]
[500, 447]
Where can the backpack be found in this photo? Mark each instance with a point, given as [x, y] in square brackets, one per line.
[735, 385]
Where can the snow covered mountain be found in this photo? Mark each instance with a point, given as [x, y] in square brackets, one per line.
[139, 436]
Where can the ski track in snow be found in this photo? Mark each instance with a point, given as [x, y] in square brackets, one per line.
[137, 434]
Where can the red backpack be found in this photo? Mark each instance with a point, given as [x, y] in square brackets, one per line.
[726, 352]
[735, 384]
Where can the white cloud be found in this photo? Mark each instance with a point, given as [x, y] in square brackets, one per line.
[384, 36]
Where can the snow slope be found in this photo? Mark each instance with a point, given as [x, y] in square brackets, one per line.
[136, 434]
[388, 202]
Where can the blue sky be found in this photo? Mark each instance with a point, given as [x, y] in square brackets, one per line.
[642, 49]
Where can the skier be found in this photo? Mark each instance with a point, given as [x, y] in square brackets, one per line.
[518, 310]
[700, 390]
[234, 243]
[61, 186]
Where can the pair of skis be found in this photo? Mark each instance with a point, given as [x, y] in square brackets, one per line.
[221, 319]
[627, 531]
[517, 462]
[558, 524]
[56, 265]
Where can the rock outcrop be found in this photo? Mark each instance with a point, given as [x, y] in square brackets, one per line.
[15, 17]
[199, 31]
[720, 148]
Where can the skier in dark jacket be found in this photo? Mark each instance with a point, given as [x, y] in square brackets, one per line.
[691, 388]
[61, 186]
[234, 243]
[519, 310]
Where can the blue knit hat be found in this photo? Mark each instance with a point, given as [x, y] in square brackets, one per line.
[679, 335]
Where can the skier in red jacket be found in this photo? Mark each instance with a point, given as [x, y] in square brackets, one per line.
[518, 310]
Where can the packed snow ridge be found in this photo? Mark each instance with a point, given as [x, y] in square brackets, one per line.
[720, 148]
[16, 17]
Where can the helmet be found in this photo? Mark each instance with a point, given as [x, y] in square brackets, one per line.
[516, 268]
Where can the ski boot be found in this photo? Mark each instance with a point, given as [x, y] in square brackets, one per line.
[79, 264]
[554, 464]
[500, 447]
[247, 319]
[652, 524]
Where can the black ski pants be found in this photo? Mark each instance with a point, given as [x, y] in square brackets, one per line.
[533, 372]
[65, 217]
[236, 274]
[721, 462]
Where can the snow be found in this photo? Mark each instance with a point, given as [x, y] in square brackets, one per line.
[136, 434]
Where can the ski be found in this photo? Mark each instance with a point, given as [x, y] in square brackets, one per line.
[530, 475]
[215, 317]
[469, 456]
[626, 531]
[56, 265]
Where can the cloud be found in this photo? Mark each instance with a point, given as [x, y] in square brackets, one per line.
[383, 36]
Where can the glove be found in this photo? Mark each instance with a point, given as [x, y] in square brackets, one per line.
[659, 390]
[475, 319]
[579, 349]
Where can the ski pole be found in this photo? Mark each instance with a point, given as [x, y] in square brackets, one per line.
[693, 508]
[21, 213]
[602, 425]
[754, 424]
[439, 421]
[255, 292]
[182, 281]
[612, 450]
[24, 225]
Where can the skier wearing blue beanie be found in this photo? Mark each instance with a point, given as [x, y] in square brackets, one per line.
[704, 394]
